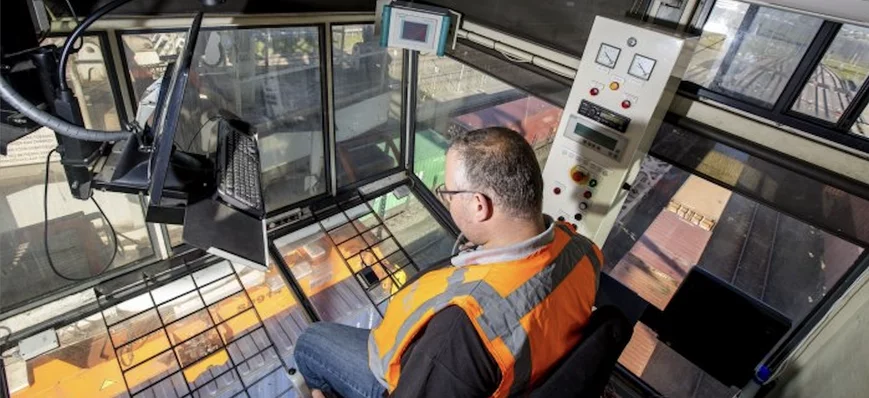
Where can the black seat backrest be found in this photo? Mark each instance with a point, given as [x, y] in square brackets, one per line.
[585, 371]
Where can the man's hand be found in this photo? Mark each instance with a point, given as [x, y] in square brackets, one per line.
[317, 394]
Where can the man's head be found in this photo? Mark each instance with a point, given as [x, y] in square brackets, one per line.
[492, 182]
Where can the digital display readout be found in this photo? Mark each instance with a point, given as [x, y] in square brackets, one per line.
[595, 136]
[611, 117]
[414, 31]
[604, 116]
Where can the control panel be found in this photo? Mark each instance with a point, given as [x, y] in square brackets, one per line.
[623, 87]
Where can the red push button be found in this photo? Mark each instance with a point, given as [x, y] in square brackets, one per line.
[556, 190]
[587, 195]
[579, 176]
[626, 104]
[594, 91]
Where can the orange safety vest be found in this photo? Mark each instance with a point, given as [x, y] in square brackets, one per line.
[527, 312]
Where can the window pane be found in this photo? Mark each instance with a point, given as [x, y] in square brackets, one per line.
[682, 220]
[178, 347]
[367, 96]
[674, 221]
[669, 13]
[423, 239]
[89, 80]
[325, 277]
[836, 81]
[814, 201]
[79, 239]
[276, 305]
[269, 77]
[84, 365]
[147, 55]
[750, 52]
[176, 234]
[454, 98]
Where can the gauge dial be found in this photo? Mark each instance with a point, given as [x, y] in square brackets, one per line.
[642, 67]
[608, 55]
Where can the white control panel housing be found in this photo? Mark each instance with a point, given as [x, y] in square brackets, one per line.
[626, 80]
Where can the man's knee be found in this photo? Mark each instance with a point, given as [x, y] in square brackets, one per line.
[314, 336]
[312, 341]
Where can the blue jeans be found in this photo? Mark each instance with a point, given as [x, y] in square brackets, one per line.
[333, 358]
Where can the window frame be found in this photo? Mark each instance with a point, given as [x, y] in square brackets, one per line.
[781, 112]
[324, 102]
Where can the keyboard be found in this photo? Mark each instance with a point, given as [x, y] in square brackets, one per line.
[238, 168]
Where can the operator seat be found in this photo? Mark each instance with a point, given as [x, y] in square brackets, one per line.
[585, 371]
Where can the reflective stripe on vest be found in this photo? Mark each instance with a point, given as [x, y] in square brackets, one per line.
[496, 316]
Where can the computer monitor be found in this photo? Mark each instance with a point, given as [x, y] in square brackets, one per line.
[165, 205]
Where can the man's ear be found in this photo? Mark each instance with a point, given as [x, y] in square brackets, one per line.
[483, 207]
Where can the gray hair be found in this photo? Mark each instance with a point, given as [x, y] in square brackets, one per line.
[500, 163]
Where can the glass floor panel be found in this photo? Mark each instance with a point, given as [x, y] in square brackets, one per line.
[366, 245]
[349, 263]
[223, 331]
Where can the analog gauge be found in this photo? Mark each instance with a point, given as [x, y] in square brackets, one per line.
[642, 67]
[608, 55]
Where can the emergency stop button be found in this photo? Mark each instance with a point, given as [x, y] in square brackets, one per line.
[579, 176]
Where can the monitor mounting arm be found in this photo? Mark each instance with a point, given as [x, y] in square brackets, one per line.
[80, 148]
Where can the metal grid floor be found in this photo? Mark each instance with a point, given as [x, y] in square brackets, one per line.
[379, 264]
[203, 336]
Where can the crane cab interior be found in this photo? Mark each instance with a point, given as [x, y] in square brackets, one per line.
[716, 150]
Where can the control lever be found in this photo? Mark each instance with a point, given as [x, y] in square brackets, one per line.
[299, 383]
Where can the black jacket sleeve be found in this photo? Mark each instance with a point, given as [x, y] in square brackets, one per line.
[448, 359]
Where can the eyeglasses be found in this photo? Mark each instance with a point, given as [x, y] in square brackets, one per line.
[444, 195]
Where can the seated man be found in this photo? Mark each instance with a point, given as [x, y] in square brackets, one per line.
[496, 320]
